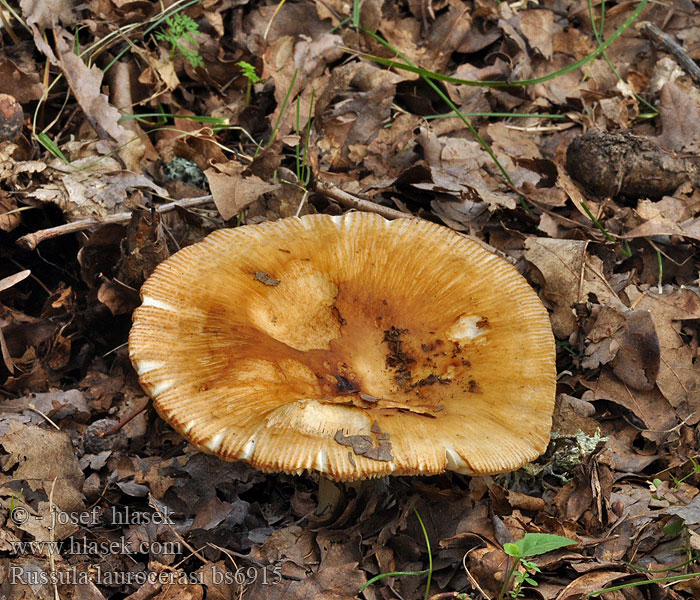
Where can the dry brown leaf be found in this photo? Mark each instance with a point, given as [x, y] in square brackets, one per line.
[669, 216]
[549, 225]
[92, 187]
[679, 375]
[650, 407]
[85, 83]
[295, 19]
[516, 48]
[392, 150]
[42, 456]
[562, 88]
[46, 14]
[160, 72]
[590, 582]
[10, 168]
[536, 26]
[628, 339]
[332, 582]
[514, 142]
[57, 405]
[10, 217]
[180, 591]
[232, 190]
[570, 276]
[8, 282]
[312, 56]
[117, 297]
[680, 118]
[430, 40]
[20, 80]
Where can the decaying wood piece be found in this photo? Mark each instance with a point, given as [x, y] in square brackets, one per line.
[621, 164]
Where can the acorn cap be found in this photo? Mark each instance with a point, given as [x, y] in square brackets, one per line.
[351, 345]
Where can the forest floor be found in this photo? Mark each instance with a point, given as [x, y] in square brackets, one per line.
[241, 112]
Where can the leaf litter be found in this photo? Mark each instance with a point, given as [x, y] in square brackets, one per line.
[606, 167]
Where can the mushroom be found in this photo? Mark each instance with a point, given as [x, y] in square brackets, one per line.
[350, 345]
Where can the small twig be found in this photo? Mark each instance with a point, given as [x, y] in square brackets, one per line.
[668, 44]
[472, 580]
[32, 240]
[301, 204]
[115, 428]
[349, 201]
[36, 410]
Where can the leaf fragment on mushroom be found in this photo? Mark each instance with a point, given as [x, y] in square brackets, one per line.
[362, 445]
[263, 277]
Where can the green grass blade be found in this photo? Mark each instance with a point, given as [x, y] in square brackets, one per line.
[282, 111]
[572, 67]
[393, 574]
[599, 39]
[500, 115]
[625, 247]
[49, 144]
[430, 552]
[624, 586]
[449, 102]
[220, 121]
[356, 13]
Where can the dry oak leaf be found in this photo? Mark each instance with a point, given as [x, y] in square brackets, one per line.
[679, 371]
[330, 582]
[590, 582]
[21, 80]
[10, 217]
[92, 187]
[47, 13]
[232, 190]
[85, 83]
[536, 26]
[180, 591]
[669, 216]
[160, 72]
[679, 110]
[10, 168]
[42, 456]
[570, 276]
[628, 339]
[650, 406]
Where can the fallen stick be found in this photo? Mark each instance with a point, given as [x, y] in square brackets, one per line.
[32, 240]
[349, 201]
[667, 43]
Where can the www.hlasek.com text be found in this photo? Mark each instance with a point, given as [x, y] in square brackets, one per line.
[83, 545]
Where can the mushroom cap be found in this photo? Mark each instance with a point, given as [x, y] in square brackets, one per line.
[351, 345]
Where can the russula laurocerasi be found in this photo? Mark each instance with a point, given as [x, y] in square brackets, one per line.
[350, 345]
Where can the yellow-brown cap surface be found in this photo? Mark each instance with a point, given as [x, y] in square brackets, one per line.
[353, 345]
